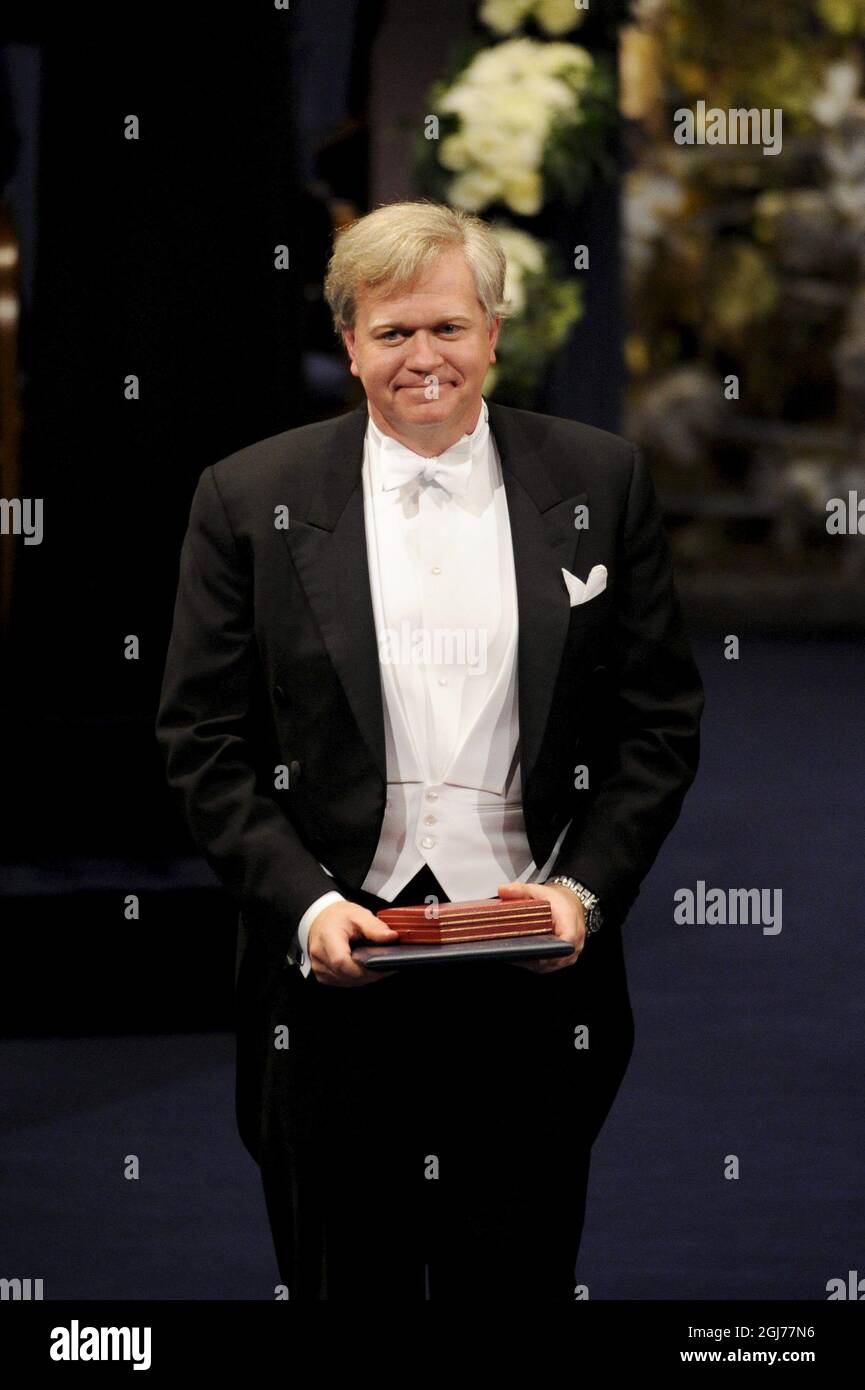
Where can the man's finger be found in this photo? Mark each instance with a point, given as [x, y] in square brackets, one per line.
[373, 930]
[546, 967]
[342, 968]
[518, 890]
[338, 961]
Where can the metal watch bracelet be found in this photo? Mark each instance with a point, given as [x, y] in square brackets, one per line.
[590, 900]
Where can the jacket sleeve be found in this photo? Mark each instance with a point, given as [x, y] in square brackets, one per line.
[653, 700]
[203, 729]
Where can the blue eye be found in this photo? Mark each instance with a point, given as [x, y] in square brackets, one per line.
[389, 334]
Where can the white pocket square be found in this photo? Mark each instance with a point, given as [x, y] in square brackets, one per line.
[580, 592]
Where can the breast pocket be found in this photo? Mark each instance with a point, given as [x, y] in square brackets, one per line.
[594, 613]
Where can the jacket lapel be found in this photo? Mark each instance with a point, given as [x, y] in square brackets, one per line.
[545, 541]
[328, 547]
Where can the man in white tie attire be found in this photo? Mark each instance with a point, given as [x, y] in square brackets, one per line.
[463, 716]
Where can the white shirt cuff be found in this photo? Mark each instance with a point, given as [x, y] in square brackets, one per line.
[301, 956]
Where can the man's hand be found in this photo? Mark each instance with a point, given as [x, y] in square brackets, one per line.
[569, 921]
[330, 952]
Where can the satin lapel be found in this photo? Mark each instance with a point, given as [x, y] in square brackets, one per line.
[328, 547]
[545, 541]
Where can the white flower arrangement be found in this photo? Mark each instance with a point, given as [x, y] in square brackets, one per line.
[541, 310]
[507, 100]
[553, 16]
[525, 254]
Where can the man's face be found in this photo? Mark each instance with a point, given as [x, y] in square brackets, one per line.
[422, 354]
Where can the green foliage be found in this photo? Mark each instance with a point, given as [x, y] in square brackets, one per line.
[531, 338]
[579, 154]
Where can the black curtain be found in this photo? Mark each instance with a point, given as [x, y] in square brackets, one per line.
[155, 257]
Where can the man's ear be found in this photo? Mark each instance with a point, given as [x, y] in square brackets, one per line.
[348, 339]
[494, 336]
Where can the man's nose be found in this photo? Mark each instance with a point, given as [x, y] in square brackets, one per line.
[424, 352]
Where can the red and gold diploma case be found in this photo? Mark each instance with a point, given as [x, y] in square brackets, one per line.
[488, 929]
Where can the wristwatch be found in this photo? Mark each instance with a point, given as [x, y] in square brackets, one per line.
[590, 900]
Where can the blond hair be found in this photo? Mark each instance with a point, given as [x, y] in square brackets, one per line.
[398, 241]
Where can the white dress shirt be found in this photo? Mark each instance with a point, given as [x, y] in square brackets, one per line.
[441, 571]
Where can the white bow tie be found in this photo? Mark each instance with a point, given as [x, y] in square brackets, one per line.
[451, 470]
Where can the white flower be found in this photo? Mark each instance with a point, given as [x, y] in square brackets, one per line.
[524, 194]
[840, 86]
[525, 254]
[473, 190]
[454, 152]
[506, 100]
[521, 248]
[504, 16]
[558, 16]
[553, 16]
